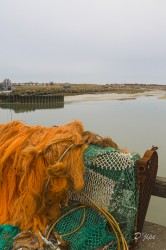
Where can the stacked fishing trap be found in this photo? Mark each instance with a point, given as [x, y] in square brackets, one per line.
[88, 193]
[110, 189]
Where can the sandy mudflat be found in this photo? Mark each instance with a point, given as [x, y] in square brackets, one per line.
[162, 97]
[114, 96]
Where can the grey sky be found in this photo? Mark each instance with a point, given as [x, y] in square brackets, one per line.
[83, 41]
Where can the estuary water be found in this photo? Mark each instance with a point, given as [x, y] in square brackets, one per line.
[134, 124]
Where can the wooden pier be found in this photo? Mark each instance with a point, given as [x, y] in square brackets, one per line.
[11, 98]
[154, 236]
[160, 187]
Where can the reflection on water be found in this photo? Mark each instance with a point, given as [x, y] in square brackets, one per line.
[28, 107]
[135, 124]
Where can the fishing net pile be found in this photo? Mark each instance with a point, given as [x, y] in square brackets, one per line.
[110, 184]
[34, 180]
[44, 169]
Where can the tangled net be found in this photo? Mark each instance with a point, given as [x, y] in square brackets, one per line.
[111, 184]
[38, 167]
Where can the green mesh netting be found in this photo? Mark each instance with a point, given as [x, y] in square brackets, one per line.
[92, 234]
[7, 233]
[110, 181]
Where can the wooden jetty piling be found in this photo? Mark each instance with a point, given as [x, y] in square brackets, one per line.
[11, 98]
[160, 187]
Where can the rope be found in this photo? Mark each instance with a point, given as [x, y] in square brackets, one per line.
[64, 153]
[113, 223]
[20, 234]
[63, 216]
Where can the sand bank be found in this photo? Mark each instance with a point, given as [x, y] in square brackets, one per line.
[114, 96]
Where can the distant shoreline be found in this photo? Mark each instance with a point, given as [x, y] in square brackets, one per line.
[81, 92]
[160, 94]
[79, 89]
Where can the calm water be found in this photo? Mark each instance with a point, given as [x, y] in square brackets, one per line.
[133, 124]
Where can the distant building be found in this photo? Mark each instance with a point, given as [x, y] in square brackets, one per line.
[6, 85]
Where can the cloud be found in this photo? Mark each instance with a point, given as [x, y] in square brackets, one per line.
[86, 40]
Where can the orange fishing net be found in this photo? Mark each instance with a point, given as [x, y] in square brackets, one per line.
[33, 183]
[36, 173]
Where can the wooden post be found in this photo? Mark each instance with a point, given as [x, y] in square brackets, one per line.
[160, 187]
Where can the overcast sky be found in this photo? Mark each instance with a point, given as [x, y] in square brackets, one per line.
[83, 41]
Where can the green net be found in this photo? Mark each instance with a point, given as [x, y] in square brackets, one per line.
[93, 227]
[111, 182]
[7, 233]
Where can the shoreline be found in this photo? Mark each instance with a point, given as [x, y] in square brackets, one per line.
[160, 94]
[80, 93]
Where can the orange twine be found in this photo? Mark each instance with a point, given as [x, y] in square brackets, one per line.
[28, 158]
[38, 167]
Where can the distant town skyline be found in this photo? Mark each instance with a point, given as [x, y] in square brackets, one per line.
[85, 41]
